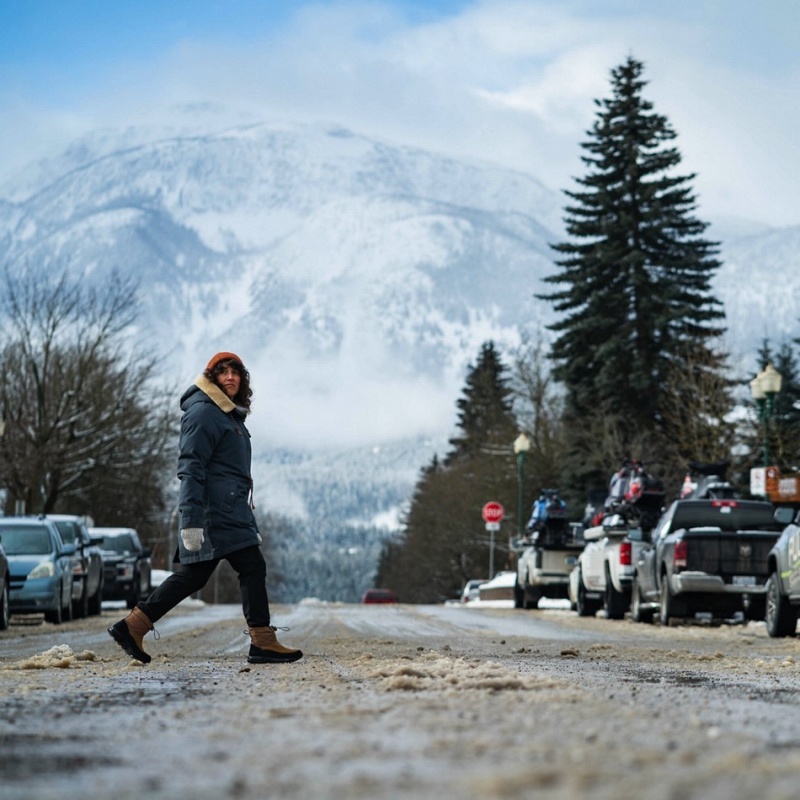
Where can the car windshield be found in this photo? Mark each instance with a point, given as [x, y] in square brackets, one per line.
[68, 531]
[25, 540]
[119, 544]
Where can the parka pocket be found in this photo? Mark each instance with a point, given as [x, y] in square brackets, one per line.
[223, 496]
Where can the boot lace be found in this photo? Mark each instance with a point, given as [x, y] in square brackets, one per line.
[246, 632]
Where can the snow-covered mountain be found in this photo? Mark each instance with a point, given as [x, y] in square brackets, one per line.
[356, 278]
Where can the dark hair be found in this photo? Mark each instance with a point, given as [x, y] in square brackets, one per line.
[245, 393]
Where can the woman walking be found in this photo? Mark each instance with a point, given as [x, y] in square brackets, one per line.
[216, 513]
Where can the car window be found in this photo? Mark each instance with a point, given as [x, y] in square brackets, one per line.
[663, 525]
[120, 544]
[27, 540]
[68, 530]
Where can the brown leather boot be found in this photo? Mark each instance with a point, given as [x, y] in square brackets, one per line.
[129, 632]
[266, 649]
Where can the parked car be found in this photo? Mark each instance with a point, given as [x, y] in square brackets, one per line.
[706, 556]
[127, 567]
[604, 572]
[471, 590]
[379, 596]
[87, 566]
[40, 568]
[501, 587]
[783, 584]
[4, 579]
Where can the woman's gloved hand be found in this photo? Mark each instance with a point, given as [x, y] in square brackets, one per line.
[192, 538]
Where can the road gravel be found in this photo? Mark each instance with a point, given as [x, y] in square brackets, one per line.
[400, 702]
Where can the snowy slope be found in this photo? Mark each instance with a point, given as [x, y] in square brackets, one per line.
[356, 278]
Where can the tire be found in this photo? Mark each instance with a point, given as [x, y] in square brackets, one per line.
[134, 596]
[616, 603]
[638, 613]
[532, 597]
[66, 612]
[96, 602]
[519, 595]
[4, 612]
[586, 608]
[780, 616]
[670, 607]
[55, 616]
[80, 607]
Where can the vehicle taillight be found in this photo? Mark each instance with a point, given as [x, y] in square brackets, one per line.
[625, 553]
[679, 560]
[724, 504]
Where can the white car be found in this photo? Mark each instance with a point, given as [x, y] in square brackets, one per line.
[471, 590]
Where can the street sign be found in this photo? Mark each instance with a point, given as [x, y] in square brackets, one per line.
[492, 526]
[493, 512]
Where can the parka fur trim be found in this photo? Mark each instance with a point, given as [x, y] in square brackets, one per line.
[215, 393]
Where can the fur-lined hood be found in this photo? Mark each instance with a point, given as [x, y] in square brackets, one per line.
[214, 393]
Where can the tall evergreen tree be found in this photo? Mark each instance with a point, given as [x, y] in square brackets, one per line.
[485, 416]
[444, 542]
[782, 430]
[636, 273]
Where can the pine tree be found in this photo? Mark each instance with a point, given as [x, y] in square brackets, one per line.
[444, 542]
[485, 416]
[782, 430]
[636, 274]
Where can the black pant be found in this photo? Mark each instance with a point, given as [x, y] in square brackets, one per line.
[249, 565]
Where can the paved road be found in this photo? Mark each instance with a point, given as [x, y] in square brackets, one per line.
[401, 702]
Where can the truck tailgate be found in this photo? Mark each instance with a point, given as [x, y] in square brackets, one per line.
[742, 554]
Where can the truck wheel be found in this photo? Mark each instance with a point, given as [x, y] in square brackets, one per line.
[615, 602]
[586, 608]
[670, 607]
[532, 597]
[519, 595]
[638, 613]
[780, 616]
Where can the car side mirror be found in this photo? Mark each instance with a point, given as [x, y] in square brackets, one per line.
[69, 549]
[784, 515]
[146, 552]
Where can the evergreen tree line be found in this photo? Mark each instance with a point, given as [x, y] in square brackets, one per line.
[636, 368]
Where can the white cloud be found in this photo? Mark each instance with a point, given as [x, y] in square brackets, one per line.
[511, 82]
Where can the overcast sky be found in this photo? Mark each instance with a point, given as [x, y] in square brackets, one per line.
[510, 82]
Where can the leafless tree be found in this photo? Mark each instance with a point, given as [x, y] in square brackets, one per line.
[83, 417]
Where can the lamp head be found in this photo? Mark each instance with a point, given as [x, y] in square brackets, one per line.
[521, 444]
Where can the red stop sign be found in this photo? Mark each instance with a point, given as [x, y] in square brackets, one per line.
[493, 512]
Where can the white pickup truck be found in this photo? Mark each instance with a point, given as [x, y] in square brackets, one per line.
[603, 575]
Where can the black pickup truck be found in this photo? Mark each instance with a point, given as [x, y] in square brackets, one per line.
[706, 556]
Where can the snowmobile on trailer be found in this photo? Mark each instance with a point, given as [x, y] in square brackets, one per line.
[635, 495]
[707, 481]
[547, 553]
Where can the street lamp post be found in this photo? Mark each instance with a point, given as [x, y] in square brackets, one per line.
[763, 389]
[521, 446]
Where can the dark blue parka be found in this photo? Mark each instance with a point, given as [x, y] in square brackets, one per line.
[214, 470]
